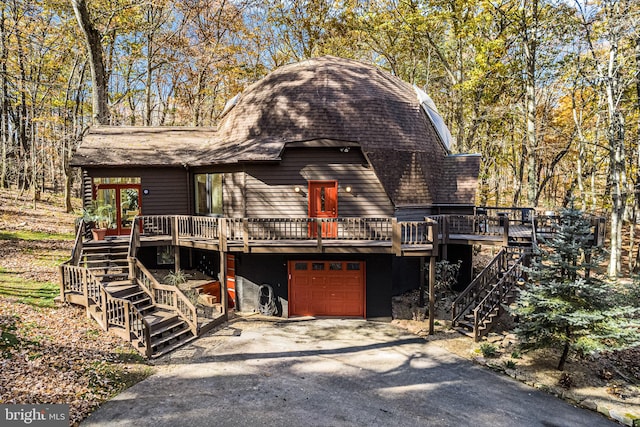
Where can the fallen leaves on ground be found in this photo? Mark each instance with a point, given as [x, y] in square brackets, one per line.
[52, 354]
[62, 357]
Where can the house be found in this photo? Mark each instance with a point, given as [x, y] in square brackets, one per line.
[327, 180]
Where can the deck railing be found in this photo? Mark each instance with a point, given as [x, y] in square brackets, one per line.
[515, 215]
[483, 225]
[157, 224]
[251, 230]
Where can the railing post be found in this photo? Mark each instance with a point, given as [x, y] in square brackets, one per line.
[433, 237]
[127, 318]
[432, 295]
[62, 282]
[106, 312]
[396, 238]
[85, 290]
[132, 268]
[223, 234]
[319, 233]
[505, 237]
[245, 234]
[174, 231]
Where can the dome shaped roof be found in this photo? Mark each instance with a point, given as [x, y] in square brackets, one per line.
[344, 100]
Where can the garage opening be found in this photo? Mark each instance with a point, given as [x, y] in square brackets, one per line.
[327, 288]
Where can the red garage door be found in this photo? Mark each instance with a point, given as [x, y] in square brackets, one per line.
[326, 288]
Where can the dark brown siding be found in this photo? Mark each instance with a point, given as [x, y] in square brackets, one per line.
[270, 187]
[233, 194]
[168, 188]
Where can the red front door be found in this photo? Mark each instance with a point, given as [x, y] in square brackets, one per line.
[323, 203]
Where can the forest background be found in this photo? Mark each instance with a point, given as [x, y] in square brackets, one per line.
[548, 92]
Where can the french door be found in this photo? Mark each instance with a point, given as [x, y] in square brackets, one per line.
[122, 202]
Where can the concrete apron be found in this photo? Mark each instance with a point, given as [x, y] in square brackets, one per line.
[329, 372]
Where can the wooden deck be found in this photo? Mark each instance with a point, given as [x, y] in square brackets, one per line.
[309, 235]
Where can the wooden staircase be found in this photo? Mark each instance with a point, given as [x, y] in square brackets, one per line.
[116, 293]
[106, 259]
[487, 297]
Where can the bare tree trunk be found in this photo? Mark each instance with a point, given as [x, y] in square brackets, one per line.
[4, 119]
[96, 61]
[615, 136]
[529, 31]
[565, 353]
[633, 263]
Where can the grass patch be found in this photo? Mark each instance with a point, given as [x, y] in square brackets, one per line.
[50, 259]
[28, 292]
[114, 378]
[34, 235]
[8, 335]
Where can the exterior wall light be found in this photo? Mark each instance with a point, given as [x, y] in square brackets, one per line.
[347, 189]
[296, 189]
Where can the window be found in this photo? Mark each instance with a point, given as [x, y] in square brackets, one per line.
[335, 266]
[208, 189]
[301, 265]
[124, 180]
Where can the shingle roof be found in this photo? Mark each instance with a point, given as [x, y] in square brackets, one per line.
[323, 98]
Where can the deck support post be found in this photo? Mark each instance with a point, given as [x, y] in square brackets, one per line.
[245, 235]
[505, 238]
[223, 284]
[432, 295]
[174, 240]
[422, 281]
[396, 237]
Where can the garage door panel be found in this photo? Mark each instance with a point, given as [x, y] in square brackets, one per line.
[326, 288]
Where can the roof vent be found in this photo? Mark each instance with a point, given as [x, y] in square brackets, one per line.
[436, 119]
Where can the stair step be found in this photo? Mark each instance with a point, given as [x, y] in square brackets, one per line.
[135, 294]
[466, 325]
[111, 275]
[144, 301]
[159, 331]
[160, 317]
[170, 348]
[115, 261]
[176, 334]
[145, 309]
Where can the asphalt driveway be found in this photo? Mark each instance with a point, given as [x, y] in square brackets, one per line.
[329, 373]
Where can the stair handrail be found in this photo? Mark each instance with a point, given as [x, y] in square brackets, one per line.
[142, 277]
[134, 237]
[178, 301]
[470, 296]
[496, 295]
[131, 319]
[76, 251]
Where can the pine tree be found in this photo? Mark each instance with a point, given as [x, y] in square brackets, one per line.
[566, 304]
